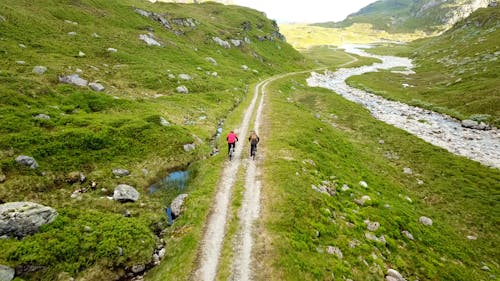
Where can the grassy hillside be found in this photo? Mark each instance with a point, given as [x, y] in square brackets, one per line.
[456, 73]
[94, 132]
[314, 137]
[406, 16]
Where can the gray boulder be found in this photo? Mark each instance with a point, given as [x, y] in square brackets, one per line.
[185, 76]
[221, 42]
[425, 221]
[74, 79]
[189, 146]
[125, 193]
[177, 203]
[39, 69]
[19, 219]
[6, 273]
[27, 161]
[119, 172]
[98, 87]
[42, 116]
[182, 90]
[149, 40]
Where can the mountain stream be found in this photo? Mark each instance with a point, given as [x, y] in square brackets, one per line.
[438, 129]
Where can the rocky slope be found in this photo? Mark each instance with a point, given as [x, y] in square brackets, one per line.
[407, 16]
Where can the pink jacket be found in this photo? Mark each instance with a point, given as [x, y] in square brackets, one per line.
[231, 138]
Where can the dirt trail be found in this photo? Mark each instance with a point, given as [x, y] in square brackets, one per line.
[215, 230]
[211, 246]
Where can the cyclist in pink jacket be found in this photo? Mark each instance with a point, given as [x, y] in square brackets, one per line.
[231, 138]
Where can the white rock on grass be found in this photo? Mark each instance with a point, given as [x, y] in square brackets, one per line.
[39, 69]
[182, 89]
[164, 122]
[27, 161]
[394, 275]
[185, 77]
[425, 221]
[112, 50]
[81, 54]
[149, 40]
[6, 273]
[98, 87]
[372, 225]
[363, 184]
[407, 234]
[73, 79]
[124, 193]
[334, 251]
[211, 60]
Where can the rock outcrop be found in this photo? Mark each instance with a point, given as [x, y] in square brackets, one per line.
[19, 219]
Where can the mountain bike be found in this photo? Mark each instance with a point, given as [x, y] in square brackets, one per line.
[231, 153]
[253, 151]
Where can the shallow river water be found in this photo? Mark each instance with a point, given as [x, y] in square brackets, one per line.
[435, 128]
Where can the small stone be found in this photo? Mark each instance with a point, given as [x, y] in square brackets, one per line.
[182, 90]
[471, 237]
[22, 46]
[87, 228]
[42, 116]
[407, 198]
[189, 146]
[27, 161]
[81, 54]
[425, 221]
[20, 62]
[334, 251]
[363, 200]
[345, 187]
[119, 172]
[381, 141]
[112, 50]
[185, 77]
[407, 171]
[363, 184]
[96, 86]
[486, 268]
[72, 33]
[164, 122]
[138, 268]
[407, 234]
[372, 225]
[420, 182]
[39, 69]
[393, 273]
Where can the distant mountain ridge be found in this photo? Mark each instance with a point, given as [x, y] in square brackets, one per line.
[398, 16]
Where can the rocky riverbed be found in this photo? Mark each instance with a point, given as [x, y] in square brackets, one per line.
[438, 129]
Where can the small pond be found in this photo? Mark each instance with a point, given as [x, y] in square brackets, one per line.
[176, 180]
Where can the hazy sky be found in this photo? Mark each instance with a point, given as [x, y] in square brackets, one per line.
[306, 11]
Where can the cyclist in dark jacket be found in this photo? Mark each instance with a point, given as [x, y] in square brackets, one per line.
[254, 140]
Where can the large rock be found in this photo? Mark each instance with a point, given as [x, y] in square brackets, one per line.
[18, 219]
[149, 40]
[27, 161]
[74, 79]
[221, 42]
[176, 205]
[6, 273]
[125, 193]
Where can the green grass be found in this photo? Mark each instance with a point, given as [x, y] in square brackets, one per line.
[93, 132]
[342, 146]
